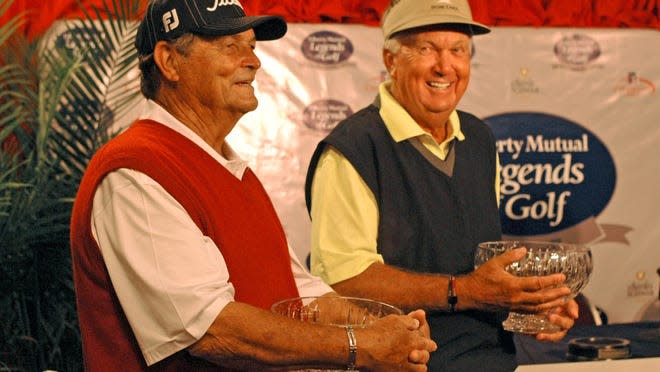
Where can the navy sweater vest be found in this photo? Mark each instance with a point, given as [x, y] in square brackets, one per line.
[428, 221]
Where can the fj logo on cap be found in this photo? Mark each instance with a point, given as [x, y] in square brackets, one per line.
[224, 3]
[170, 20]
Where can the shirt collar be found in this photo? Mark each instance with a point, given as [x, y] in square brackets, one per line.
[233, 163]
[401, 125]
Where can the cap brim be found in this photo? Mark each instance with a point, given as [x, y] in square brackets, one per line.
[465, 26]
[265, 27]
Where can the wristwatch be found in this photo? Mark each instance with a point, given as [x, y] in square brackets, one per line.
[452, 299]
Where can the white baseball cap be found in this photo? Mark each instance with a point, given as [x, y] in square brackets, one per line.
[456, 15]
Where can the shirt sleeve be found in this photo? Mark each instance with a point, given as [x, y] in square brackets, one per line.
[344, 220]
[170, 279]
[307, 284]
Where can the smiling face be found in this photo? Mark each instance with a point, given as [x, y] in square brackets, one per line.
[219, 71]
[207, 82]
[430, 73]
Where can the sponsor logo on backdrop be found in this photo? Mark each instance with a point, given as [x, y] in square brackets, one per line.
[634, 85]
[651, 310]
[556, 178]
[577, 52]
[641, 286]
[71, 38]
[475, 61]
[271, 158]
[523, 83]
[325, 114]
[327, 48]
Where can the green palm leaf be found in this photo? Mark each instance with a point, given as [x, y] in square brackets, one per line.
[59, 99]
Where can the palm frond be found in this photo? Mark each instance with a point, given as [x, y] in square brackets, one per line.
[58, 102]
[64, 67]
[9, 28]
[103, 90]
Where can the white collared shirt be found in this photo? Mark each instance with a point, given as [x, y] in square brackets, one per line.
[171, 280]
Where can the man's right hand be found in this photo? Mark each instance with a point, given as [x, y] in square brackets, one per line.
[395, 343]
[491, 287]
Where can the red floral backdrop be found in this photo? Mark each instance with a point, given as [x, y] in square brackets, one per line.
[536, 13]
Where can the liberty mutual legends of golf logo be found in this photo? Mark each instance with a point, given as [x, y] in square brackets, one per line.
[555, 175]
[520, 205]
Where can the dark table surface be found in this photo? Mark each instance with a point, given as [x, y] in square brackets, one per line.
[530, 351]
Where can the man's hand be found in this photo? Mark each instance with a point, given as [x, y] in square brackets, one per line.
[420, 356]
[490, 287]
[395, 343]
[563, 316]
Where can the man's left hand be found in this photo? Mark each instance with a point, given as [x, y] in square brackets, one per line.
[564, 316]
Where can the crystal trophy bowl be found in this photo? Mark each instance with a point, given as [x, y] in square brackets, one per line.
[336, 311]
[542, 258]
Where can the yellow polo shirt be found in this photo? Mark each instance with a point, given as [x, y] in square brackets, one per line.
[344, 211]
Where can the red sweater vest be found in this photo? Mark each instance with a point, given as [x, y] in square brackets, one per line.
[237, 214]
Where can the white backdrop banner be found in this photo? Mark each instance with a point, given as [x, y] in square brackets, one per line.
[575, 112]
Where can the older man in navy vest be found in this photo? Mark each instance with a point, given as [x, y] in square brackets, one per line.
[401, 193]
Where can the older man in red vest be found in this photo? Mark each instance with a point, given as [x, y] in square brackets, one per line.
[177, 251]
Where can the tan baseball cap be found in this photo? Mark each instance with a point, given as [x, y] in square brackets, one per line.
[408, 14]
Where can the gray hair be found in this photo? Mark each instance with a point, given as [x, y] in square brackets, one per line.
[394, 43]
[150, 75]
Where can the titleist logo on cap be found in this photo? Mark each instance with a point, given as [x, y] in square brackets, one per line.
[171, 18]
[223, 3]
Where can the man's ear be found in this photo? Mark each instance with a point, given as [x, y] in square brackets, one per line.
[389, 61]
[167, 60]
